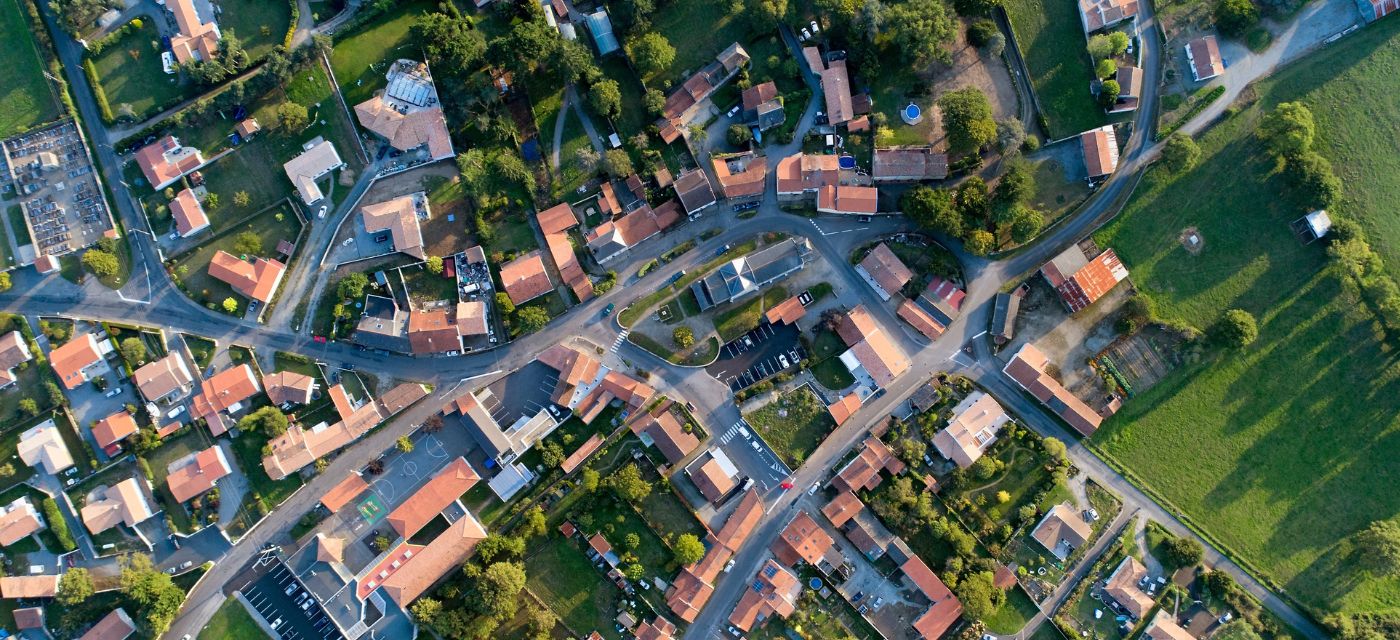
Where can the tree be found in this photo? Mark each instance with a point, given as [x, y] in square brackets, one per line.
[1234, 17]
[1118, 43]
[606, 99]
[510, 168]
[1100, 47]
[980, 32]
[1011, 134]
[586, 159]
[617, 163]
[211, 201]
[932, 209]
[101, 263]
[984, 468]
[589, 480]
[1055, 447]
[435, 265]
[628, 484]
[1015, 187]
[29, 406]
[1180, 153]
[248, 243]
[980, 242]
[229, 305]
[1379, 547]
[56, 397]
[241, 199]
[158, 596]
[633, 571]
[551, 454]
[532, 319]
[352, 286]
[574, 62]
[5, 283]
[1184, 552]
[451, 43]
[972, 202]
[738, 135]
[1003, 497]
[539, 621]
[425, 611]
[971, 8]
[688, 549]
[404, 444]
[268, 420]
[764, 15]
[496, 546]
[967, 117]
[498, 589]
[1106, 68]
[654, 102]
[503, 303]
[134, 350]
[979, 595]
[1289, 129]
[1311, 174]
[683, 337]
[995, 45]
[1238, 328]
[652, 53]
[1025, 224]
[534, 523]
[75, 586]
[921, 30]
[1108, 92]
[292, 117]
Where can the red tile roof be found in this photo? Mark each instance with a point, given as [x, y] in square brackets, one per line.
[257, 279]
[802, 539]
[786, 312]
[842, 508]
[946, 608]
[1027, 368]
[188, 213]
[886, 270]
[525, 279]
[113, 429]
[72, 357]
[1100, 151]
[194, 474]
[425, 504]
[432, 332]
[863, 472]
[343, 492]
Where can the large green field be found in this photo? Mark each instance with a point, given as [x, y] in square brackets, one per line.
[25, 100]
[699, 30]
[1282, 450]
[260, 24]
[1052, 41]
[362, 57]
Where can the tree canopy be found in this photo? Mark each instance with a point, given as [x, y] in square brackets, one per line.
[932, 209]
[628, 483]
[1289, 129]
[967, 117]
[1238, 328]
[688, 549]
[652, 52]
[268, 420]
[979, 595]
[922, 30]
[158, 596]
[498, 589]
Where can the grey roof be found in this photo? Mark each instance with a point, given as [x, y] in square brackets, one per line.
[770, 114]
[601, 28]
[381, 325]
[483, 428]
[695, 191]
[1004, 309]
[748, 274]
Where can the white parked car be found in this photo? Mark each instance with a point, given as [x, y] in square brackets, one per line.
[321, 213]
[815, 28]
[175, 412]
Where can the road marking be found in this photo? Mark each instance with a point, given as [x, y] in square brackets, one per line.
[984, 332]
[617, 344]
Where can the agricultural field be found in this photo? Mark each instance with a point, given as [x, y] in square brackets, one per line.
[1052, 41]
[1295, 433]
[26, 100]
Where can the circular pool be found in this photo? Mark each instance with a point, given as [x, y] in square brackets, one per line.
[911, 114]
[846, 162]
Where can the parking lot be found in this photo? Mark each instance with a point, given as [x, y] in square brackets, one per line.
[758, 354]
[286, 605]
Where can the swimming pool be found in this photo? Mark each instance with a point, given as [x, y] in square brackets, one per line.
[846, 162]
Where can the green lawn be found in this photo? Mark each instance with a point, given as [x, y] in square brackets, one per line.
[794, 436]
[699, 30]
[192, 267]
[133, 78]
[634, 117]
[232, 622]
[699, 354]
[666, 514]
[1055, 195]
[1013, 614]
[362, 56]
[248, 449]
[1052, 41]
[739, 319]
[828, 369]
[564, 579]
[172, 449]
[260, 24]
[891, 91]
[1297, 432]
[26, 100]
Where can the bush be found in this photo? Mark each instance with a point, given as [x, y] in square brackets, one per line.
[1180, 153]
[1238, 328]
[738, 135]
[1234, 17]
[58, 525]
[980, 32]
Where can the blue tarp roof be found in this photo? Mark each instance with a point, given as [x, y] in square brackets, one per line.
[601, 28]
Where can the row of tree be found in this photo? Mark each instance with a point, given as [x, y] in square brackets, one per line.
[975, 214]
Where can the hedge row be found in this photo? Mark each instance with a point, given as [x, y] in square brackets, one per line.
[58, 525]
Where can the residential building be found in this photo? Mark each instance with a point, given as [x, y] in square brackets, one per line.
[28, 587]
[116, 625]
[612, 238]
[525, 278]
[257, 280]
[188, 214]
[1100, 151]
[1129, 80]
[633, 395]
[908, 164]
[871, 356]
[581, 454]
[762, 106]
[1124, 587]
[1164, 627]
[697, 88]
[868, 535]
[773, 593]
[300, 446]
[42, 446]
[1027, 368]
[658, 629]
[742, 177]
[714, 474]
[788, 311]
[848, 200]
[196, 473]
[166, 160]
[164, 379]
[555, 223]
[399, 219]
[407, 114]
[112, 429]
[944, 608]
[804, 540]
[747, 275]
[1101, 14]
[1203, 55]
[1005, 307]
[976, 422]
[695, 191]
[1081, 280]
[318, 158]
[195, 39]
[14, 351]
[382, 325]
[842, 508]
[289, 387]
[247, 127]
[884, 271]
[934, 309]
[862, 473]
[19, 520]
[502, 444]
[430, 331]
[844, 407]
[77, 360]
[344, 492]
[836, 87]
[122, 503]
[470, 318]
[801, 176]
[662, 427]
[1062, 530]
[224, 393]
[694, 585]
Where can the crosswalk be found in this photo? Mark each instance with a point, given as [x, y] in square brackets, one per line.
[617, 344]
[733, 431]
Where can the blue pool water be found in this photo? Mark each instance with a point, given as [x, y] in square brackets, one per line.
[847, 162]
[913, 111]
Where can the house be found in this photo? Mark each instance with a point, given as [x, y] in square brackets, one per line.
[555, 223]
[188, 214]
[884, 271]
[1129, 80]
[748, 274]
[28, 587]
[658, 629]
[788, 311]
[525, 279]
[871, 356]
[774, 592]
[470, 318]
[762, 106]
[14, 351]
[1027, 368]
[195, 40]
[166, 160]
[112, 429]
[836, 86]
[1004, 309]
[694, 585]
[934, 309]
[634, 395]
[224, 392]
[974, 427]
[842, 508]
[1164, 627]
[802, 175]
[77, 360]
[714, 474]
[1101, 14]
[299, 446]
[382, 325]
[257, 280]
[614, 237]
[664, 429]
[19, 520]
[399, 217]
[286, 387]
[695, 191]
[848, 200]
[46, 264]
[247, 127]
[505, 444]
[944, 608]
[696, 88]
[431, 331]
[907, 164]
[122, 503]
[1123, 586]
[742, 178]
[164, 379]
[318, 158]
[804, 540]
[1203, 55]
[196, 473]
[579, 373]
[868, 535]
[116, 625]
[600, 26]
[1100, 151]
[862, 473]
[1062, 530]
[42, 445]
[407, 114]
[1081, 280]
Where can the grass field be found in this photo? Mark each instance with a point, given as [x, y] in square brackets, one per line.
[1052, 41]
[1282, 450]
[699, 30]
[260, 24]
[131, 74]
[362, 57]
[795, 435]
[564, 579]
[828, 369]
[738, 320]
[25, 100]
[232, 622]
[1013, 614]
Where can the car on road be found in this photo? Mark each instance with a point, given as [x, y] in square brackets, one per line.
[115, 391]
[863, 219]
[321, 213]
[786, 485]
[607, 311]
[720, 251]
[677, 278]
[318, 339]
[813, 490]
